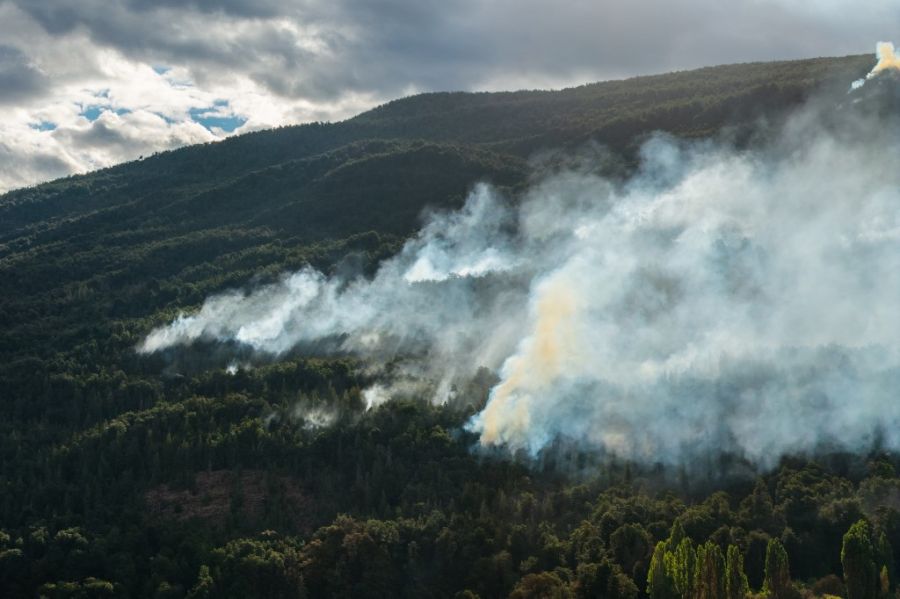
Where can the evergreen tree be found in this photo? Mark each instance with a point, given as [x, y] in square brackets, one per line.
[604, 579]
[757, 510]
[205, 585]
[736, 586]
[777, 584]
[861, 573]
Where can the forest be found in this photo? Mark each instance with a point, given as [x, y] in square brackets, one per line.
[169, 475]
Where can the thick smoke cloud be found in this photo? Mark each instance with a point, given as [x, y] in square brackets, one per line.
[750, 306]
[730, 300]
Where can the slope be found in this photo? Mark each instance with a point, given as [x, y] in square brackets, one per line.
[94, 436]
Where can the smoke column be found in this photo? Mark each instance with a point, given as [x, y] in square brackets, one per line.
[888, 61]
[719, 300]
[751, 306]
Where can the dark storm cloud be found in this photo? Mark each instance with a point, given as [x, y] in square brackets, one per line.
[385, 46]
[100, 134]
[335, 47]
[19, 79]
[138, 29]
[240, 8]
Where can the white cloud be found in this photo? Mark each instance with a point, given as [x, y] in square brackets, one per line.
[74, 105]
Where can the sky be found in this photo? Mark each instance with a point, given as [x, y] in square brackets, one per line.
[85, 84]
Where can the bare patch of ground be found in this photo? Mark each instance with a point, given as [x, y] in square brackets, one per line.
[252, 496]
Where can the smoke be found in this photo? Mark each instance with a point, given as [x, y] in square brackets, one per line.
[459, 278]
[745, 301]
[751, 306]
[887, 61]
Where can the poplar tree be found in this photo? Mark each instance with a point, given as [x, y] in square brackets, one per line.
[682, 565]
[709, 580]
[885, 558]
[777, 584]
[676, 535]
[736, 585]
[660, 584]
[858, 558]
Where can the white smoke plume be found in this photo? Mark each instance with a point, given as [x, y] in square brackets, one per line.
[434, 299]
[745, 301]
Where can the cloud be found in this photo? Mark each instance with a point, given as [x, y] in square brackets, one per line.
[294, 61]
[18, 78]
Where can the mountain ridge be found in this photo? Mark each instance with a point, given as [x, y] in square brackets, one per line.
[811, 72]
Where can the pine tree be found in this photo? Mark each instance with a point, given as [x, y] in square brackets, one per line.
[736, 585]
[777, 584]
[858, 559]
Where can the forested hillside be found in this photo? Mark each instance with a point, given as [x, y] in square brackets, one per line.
[167, 476]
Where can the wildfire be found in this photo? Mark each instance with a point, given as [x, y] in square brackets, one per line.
[887, 58]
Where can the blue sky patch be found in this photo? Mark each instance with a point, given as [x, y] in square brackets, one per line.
[43, 126]
[214, 117]
[92, 113]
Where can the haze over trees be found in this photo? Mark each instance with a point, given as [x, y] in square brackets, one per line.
[168, 476]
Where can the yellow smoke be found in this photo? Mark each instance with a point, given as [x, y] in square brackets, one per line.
[887, 61]
[542, 359]
[887, 58]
